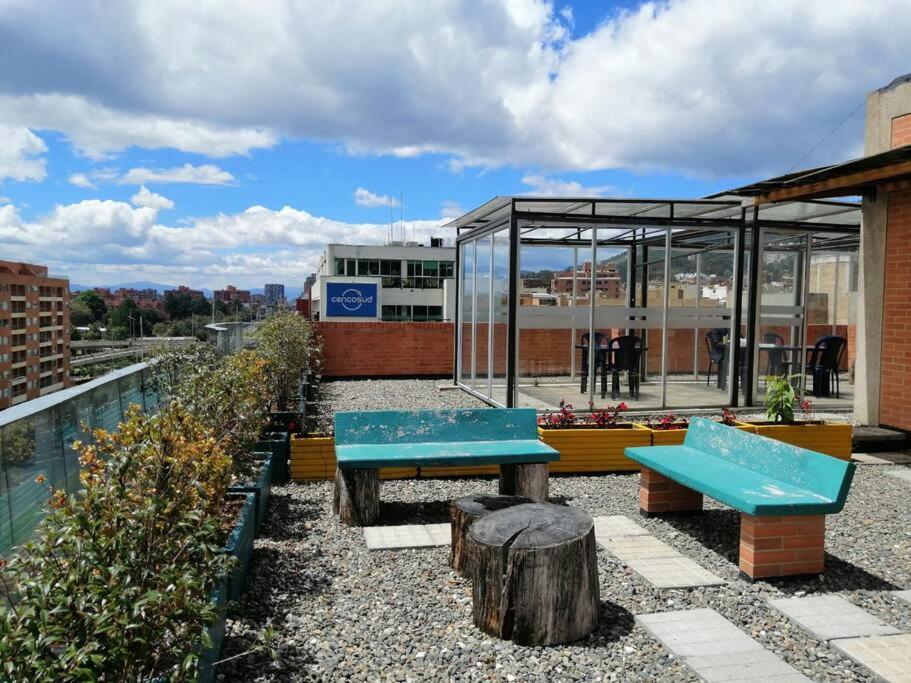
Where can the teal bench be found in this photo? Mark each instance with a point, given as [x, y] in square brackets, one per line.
[782, 492]
[366, 441]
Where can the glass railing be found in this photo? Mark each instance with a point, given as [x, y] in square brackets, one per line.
[36, 438]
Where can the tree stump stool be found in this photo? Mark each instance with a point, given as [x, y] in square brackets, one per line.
[535, 574]
[356, 498]
[464, 512]
[525, 479]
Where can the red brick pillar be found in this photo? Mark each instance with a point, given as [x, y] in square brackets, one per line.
[659, 494]
[781, 546]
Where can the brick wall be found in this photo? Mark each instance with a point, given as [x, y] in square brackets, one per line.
[895, 377]
[381, 349]
[901, 131]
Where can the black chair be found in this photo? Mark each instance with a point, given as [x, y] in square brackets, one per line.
[825, 359]
[600, 361]
[777, 364]
[714, 343]
[625, 352]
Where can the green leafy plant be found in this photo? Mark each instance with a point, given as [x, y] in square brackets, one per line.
[779, 399]
[285, 342]
[117, 584]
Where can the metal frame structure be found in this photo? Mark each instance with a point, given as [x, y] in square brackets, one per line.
[636, 225]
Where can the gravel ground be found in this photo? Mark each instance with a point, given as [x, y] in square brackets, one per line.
[341, 612]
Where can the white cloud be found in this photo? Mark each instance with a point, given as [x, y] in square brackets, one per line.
[684, 85]
[150, 199]
[364, 197]
[108, 239]
[207, 174]
[451, 210]
[5, 200]
[554, 187]
[18, 149]
[81, 180]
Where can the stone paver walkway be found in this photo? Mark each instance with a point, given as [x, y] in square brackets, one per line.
[904, 595]
[656, 561]
[716, 649]
[888, 657]
[407, 536]
[884, 650]
[828, 617]
[900, 474]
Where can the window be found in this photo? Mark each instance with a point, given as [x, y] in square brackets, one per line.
[339, 266]
[428, 274]
[396, 312]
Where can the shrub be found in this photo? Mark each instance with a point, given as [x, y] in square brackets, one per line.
[117, 583]
[779, 399]
[285, 342]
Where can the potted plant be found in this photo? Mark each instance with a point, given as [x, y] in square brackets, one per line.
[593, 443]
[670, 429]
[804, 430]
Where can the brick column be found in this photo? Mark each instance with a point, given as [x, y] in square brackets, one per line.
[781, 546]
[659, 494]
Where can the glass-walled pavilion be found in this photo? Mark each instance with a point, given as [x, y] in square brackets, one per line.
[656, 303]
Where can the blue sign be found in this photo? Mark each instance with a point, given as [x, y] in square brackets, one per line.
[351, 299]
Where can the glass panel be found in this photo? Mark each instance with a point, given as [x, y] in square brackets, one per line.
[549, 321]
[483, 330]
[780, 337]
[466, 312]
[500, 314]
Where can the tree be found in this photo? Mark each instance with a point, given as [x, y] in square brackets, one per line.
[95, 303]
[120, 316]
[150, 316]
[80, 313]
[285, 342]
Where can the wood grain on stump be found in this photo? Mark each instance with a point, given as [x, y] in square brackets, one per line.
[529, 479]
[356, 499]
[535, 574]
[464, 512]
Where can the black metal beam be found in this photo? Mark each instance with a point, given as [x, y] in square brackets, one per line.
[738, 308]
[457, 327]
[511, 331]
[753, 309]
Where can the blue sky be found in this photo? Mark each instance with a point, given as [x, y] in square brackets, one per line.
[208, 144]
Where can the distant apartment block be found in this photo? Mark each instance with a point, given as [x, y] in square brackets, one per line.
[274, 294]
[232, 293]
[34, 333]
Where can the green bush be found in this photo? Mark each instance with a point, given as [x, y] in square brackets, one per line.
[286, 342]
[779, 399]
[117, 583]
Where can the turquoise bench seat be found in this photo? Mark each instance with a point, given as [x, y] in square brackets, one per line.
[443, 454]
[438, 438]
[751, 473]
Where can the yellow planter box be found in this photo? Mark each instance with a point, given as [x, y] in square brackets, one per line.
[595, 450]
[831, 439]
[313, 459]
[675, 437]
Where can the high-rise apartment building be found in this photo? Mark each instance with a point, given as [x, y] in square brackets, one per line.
[274, 293]
[34, 332]
[231, 293]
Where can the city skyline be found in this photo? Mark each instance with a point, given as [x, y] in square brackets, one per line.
[241, 172]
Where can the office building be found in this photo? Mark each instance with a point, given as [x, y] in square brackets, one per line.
[34, 332]
[392, 282]
[274, 294]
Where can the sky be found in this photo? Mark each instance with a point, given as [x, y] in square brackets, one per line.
[207, 143]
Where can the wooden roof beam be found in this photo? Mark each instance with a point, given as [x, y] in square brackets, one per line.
[840, 186]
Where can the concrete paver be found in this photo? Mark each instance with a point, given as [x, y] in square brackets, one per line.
[828, 617]
[888, 657]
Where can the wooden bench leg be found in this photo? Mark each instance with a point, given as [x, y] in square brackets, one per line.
[356, 499]
[529, 480]
[658, 494]
[781, 546]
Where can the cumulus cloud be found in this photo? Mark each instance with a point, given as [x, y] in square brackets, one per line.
[105, 238]
[18, 148]
[207, 174]
[554, 187]
[451, 210]
[81, 180]
[685, 85]
[364, 197]
[144, 197]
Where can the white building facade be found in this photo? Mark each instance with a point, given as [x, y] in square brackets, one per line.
[390, 282]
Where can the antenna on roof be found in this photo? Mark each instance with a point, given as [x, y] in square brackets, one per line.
[402, 210]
